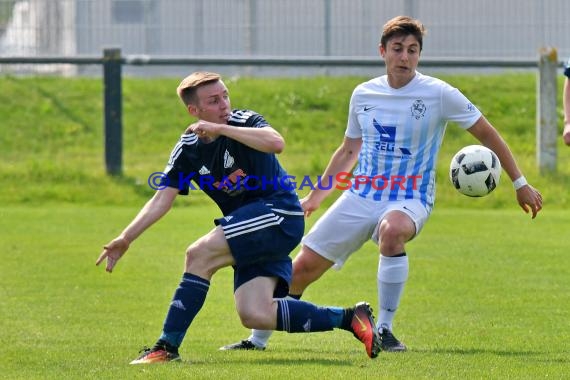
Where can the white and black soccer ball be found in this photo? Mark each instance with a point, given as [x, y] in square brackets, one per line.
[475, 171]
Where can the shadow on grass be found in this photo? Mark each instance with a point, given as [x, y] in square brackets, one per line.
[274, 361]
[564, 356]
[306, 361]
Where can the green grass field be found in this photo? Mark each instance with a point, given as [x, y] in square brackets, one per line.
[487, 298]
[488, 290]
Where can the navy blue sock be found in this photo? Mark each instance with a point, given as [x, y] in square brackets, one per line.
[186, 303]
[300, 316]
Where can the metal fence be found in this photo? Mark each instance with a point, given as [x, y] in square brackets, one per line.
[458, 30]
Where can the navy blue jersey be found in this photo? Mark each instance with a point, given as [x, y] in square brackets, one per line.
[567, 68]
[229, 172]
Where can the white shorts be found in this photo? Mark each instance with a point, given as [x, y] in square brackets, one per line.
[352, 220]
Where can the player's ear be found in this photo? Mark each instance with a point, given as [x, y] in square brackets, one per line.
[381, 50]
[192, 109]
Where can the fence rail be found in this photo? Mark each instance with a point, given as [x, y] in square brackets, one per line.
[139, 60]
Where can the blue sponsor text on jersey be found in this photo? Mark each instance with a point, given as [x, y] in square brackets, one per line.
[387, 141]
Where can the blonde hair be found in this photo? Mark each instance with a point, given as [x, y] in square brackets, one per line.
[186, 90]
[403, 26]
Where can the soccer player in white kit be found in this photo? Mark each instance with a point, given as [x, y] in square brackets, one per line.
[396, 125]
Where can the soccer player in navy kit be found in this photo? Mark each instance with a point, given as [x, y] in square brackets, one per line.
[396, 124]
[230, 155]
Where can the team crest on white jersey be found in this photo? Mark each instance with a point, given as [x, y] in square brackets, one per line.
[228, 160]
[203, 170]
[418, 109]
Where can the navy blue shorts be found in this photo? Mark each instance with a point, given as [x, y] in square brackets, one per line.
[261, 236]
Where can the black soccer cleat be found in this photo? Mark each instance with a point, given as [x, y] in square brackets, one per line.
[389, 342]
[245, 344]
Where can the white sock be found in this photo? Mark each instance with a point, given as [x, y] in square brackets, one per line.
[392, 276]
[260, 337]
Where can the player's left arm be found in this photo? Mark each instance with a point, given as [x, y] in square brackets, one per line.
[265, 139]
[153, 210]
[528, 197]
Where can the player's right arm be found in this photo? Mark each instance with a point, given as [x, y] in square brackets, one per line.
[152, 211]
[342, 161]
[528, 197]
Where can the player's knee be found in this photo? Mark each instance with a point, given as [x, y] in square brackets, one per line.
[397, 226]
[391, 231]
[193, 254]
[393, 236]
[200, 261]
[300, 267]
[255, 319]
[309, 266]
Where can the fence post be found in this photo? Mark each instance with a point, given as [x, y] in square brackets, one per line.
[328, 27]
[546, 120]
[113, 111]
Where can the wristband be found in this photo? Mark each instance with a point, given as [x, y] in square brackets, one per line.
[520, 182]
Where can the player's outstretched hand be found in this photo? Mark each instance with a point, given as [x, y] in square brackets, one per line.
[529, 199]
[113, 252]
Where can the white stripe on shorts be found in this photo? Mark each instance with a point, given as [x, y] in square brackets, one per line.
[229, 227]
[287, 212]
[275, 223]
[251, 225]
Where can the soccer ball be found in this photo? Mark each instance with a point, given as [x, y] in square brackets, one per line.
[475, 171]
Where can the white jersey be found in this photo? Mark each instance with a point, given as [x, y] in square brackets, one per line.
[402, 130]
